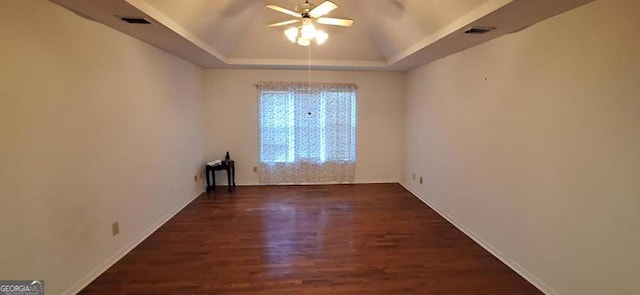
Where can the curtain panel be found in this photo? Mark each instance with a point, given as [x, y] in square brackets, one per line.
[307, 132]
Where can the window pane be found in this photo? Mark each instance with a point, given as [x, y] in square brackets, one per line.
[339, 127]
[307, 126]
[303, 125]
[274, 126]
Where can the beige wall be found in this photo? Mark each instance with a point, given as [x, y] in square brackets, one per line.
[95, 127]
[531, 144]
[232, 119]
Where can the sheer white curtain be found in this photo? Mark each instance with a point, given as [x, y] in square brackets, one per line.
[307, 132]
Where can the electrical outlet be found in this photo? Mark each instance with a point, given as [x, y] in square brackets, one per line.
[420, 179]
[414, 176]
[255, 169]
[195, 178]
[115, 228]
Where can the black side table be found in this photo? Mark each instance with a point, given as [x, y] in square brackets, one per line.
[229, 166]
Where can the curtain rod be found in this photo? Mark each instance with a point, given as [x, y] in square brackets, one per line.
[354, 84]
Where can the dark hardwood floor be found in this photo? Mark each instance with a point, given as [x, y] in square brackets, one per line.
[336, 239]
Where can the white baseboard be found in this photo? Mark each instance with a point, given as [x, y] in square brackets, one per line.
[486, 245]
[313, 183]
[97, 271]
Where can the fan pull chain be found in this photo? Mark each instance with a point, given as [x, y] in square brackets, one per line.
[309, 68]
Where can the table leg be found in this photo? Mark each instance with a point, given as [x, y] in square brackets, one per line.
[206, 175]
[213, 179]
[229, 177]
[233, 175]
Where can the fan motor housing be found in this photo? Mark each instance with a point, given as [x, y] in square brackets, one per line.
[305, 8]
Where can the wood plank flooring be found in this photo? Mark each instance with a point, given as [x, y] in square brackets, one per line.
[335, 239]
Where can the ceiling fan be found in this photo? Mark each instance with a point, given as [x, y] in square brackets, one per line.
[307, 13]
[307, 10]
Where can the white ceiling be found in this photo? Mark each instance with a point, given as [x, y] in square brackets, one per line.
[386, 35]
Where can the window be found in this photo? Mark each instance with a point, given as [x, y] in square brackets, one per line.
[306, 124]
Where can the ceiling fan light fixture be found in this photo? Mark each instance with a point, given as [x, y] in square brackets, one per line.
[304, 41]
[321, 37]
[292, 34]
[306, 33]
[308, 30]
[307, 15]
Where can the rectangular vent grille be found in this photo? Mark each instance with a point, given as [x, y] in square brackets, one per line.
[134, 20]
[478, 30]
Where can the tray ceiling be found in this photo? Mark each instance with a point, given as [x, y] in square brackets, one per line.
[386, 35]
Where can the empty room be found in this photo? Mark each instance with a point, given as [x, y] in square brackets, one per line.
[319, 147]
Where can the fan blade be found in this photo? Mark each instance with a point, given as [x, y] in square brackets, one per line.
[284, 23]
[322, 9]
[282, 10]
[343, 22]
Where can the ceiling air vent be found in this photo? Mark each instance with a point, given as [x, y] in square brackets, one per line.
[134, 19]
[478, 30]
